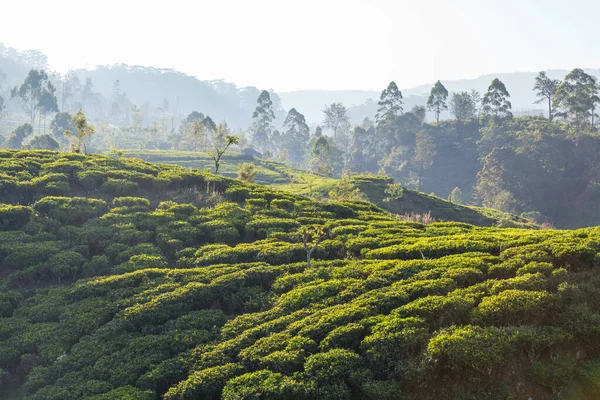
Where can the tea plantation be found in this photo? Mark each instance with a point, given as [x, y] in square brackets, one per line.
[287, 178]
[122, 279]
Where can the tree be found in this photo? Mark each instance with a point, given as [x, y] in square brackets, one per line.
[48, 102]
[420, 113]
[346, 190]
[246, 172]
[477, 99]
[295, 137]
[423, 156]
[86, 91]
[311, 238]
[30, 92]
[576, 97]
[321, 157]
[336, 118]
[394, 191]
[2, 106]
[82, 130]
[15, 140]
[62, 121]
[495, 101]
[545, 89]
[455, 196]
[462, 106]
[390, 104]
[219, 151]
[210, 125]
[437, 100]
[44, 142]
[262, 118]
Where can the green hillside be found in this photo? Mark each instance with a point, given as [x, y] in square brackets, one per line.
[122, 279]
[306, 183]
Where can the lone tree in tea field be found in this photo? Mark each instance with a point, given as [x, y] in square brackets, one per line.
[311, 238]
[219, 151]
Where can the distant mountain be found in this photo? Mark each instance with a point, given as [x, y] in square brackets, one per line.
[226, 101]
[219, 99]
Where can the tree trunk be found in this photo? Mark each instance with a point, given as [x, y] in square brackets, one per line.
[549, 108]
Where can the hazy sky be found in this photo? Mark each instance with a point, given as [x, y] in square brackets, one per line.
[311, 44]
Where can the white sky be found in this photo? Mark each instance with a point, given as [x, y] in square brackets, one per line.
[311, 44]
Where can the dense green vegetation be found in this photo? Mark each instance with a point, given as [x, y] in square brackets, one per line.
[372, 188]
[123, 279]
[465, 144]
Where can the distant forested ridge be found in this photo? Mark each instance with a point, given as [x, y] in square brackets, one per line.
[521, 143]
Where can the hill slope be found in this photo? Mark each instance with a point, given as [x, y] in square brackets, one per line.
[297, 181]
[147, 298]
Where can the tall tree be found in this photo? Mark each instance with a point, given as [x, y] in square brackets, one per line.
[576, 97]
[437, 100]
[262, 120]
[423, 157]
[30, 92]
[321, 157]
[390, 104]
[295, 137]
[462, 106]
[495, 101]
[545, 89]
[48, 102]
[86, 91]
[477, 99]
[336, 118]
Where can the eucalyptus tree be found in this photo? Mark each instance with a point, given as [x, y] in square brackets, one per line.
[390, 104]
[336, 118]
[295, 137]
[437, 100]
[462, 106]
[262, 121]
[545, 88]
[35, 93]
[495, 101]
[576, 97]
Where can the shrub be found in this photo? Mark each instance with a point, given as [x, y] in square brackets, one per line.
[91, 179]
[71, 210]
[282, 204]
[120, 187]
[333, 366]
[58, 188]
[533, 267]
[14, 217]
[137, 202]
[266, 385]
[204, 384]
[471, 347]
[514, 307]
[347, 337]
